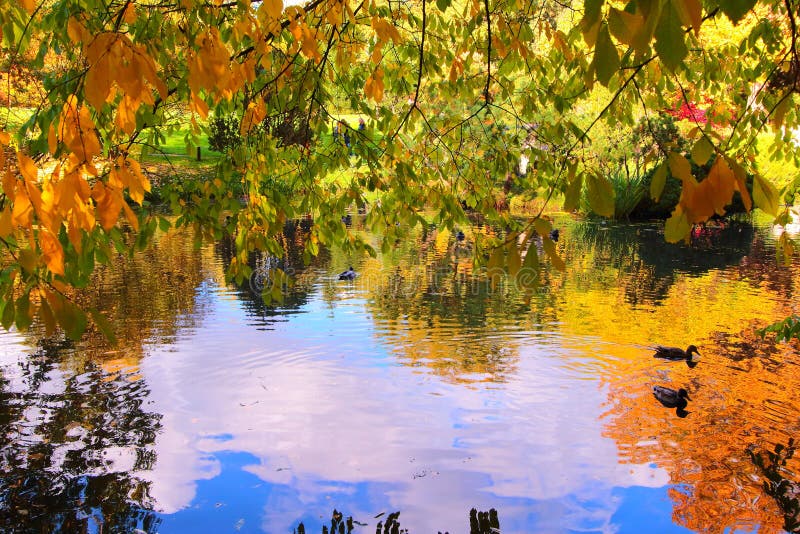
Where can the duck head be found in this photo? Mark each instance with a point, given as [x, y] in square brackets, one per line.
[683, 394]
[691, 349]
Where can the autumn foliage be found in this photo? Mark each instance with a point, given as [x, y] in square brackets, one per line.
[451, 91]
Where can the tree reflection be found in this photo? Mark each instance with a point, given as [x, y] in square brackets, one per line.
[72, 445]
[479, 523]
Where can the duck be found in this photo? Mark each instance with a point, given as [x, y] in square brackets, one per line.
[671, 398]
[554, 234]
[674, 353]
[349, 274]
[460, 236]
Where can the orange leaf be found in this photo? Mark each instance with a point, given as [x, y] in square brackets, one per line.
[52, 251]
[6, 224]
[27, 167]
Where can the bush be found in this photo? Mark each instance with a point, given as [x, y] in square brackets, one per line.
[650, 209]
[224, 133]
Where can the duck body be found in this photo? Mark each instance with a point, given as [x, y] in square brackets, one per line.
[349, 274]
[674, 353]
[671, 398]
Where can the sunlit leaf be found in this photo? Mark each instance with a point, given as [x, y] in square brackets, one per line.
[736, 9]
[572, 196]
[701, 151]
[658, 182]
[670, 40]
[601, 195]
[606, 57]
[765, 195]
[681, 168]
[550, 248]
[677, 227]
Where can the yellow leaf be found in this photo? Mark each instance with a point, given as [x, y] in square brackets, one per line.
[52, 140]
[550, 248]
[29, 5]
[681, 168]
[273, 8]
[126, 115]
[677, 227]
[765, 195]
[28, 259]
[52, 251]
[741, 186]
[5, 138]
[75, 30]
[130, 14]
[702, 150]
[27, 167]
[98, 82]
[542, 226]
[691, 13]
[658, 182]
[22, 212]
[6, 225]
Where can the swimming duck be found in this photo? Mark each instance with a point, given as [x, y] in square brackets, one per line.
[674, 353]
[349, 274]
[671, 398]
[554, 234]
[460, 236]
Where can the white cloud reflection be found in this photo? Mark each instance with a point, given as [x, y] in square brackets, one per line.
[326, 411]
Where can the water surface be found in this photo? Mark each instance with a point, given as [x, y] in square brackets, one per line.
[419, 388]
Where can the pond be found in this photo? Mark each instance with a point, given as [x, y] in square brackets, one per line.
[416, 388]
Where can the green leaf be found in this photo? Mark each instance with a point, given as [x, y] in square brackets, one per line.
[736, 9]
[104, 325]
[677, 227]
[443, 5]
[606, 57]
[513, 259]
[8, 312]
[765, 196]
[670, 42]
[572, 197]
[658, 182]
[701, 151]
[601, 195]
[23, 317]
[72, 319]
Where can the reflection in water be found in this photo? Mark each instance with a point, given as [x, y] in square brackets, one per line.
[479, 523]
[419, 387]
[785, 491]
[73, 444]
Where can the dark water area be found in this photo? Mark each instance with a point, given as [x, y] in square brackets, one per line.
[420, 396]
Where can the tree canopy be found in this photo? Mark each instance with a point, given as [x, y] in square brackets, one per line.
[452, 94]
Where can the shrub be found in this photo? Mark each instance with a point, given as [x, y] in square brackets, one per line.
[224, 133]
